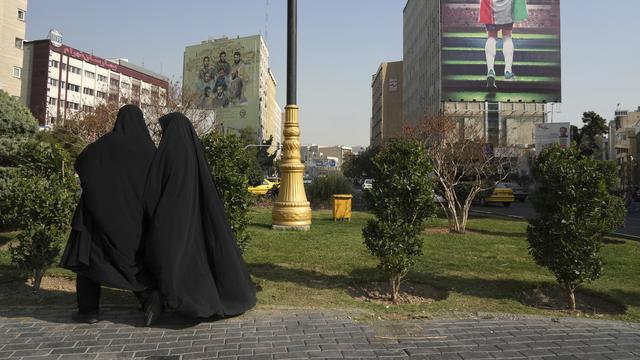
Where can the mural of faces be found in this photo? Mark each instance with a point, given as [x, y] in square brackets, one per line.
[222, 84]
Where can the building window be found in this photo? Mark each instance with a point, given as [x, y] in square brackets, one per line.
[17, 72]
[52, 101]
[101, 94]
[88, 91]
[19, 43]
[53, 63]
[115, 82]
[89, 74]
[73, 87]
[73, 69]
[125, 85]
[72, 105]
[102, 78]
[87, 108]
[21, 14]
[53, 82]
[63, 66]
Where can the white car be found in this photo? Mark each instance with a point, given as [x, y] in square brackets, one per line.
[367, 184]
[439, 199]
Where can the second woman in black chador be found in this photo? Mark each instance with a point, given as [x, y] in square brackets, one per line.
[190, 248]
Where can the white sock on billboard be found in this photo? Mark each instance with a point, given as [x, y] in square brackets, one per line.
[490, 51]
[508, 49]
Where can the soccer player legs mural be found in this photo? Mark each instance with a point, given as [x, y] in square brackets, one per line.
[499, 16]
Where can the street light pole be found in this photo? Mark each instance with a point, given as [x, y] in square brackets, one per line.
[291, 211]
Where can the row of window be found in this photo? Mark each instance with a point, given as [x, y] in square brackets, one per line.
[86, 90]
[73, 69]
[69, 104]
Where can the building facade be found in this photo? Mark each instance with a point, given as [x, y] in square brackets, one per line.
[59, 81]
[13, 17]
[273, 115]
[501, 123]
[386, 114]
[421, 60]
[232, 77]
[625, 142]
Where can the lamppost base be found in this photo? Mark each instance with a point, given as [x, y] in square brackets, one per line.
[291, 228]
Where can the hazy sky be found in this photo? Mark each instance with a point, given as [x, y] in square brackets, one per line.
[341, 44]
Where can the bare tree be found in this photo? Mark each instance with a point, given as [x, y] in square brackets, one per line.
[89, 124]
[464, 164]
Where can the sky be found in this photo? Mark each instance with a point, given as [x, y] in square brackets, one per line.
[341, 44]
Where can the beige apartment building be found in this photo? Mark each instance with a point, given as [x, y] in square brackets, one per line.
[624, 140]
[273, 115]
[13, 16]
[386, 113]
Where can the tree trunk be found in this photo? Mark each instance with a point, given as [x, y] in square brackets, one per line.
[571, 298]
[395, 287]
[37, 279]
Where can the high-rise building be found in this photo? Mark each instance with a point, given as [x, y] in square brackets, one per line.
[13, 16]
[232, 77]
[59, 81]
[386, 113]
[273, 123]
[501, 76]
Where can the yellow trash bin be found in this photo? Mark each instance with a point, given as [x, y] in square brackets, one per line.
[341, 206]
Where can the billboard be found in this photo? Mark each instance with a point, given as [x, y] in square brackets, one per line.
[223, 75]
[501, 50]
[549, 134]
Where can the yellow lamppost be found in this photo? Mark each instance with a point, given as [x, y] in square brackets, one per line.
[291, 210]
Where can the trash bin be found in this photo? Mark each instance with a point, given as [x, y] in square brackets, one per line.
[341, 206]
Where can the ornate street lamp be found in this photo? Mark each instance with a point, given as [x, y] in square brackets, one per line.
[291, 210]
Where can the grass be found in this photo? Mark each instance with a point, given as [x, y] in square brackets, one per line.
[487, 270]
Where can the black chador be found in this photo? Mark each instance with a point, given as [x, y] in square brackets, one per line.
[190, 248]
[104, 247]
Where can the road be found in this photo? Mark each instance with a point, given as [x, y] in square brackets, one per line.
[525, 210]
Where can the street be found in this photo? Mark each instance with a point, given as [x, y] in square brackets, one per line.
[525, 210]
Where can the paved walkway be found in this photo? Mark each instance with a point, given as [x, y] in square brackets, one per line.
[48, 334]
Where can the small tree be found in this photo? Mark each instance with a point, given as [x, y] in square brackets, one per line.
[15, 118]
[402, 201]
[361, 165]
[589, 138]
[36, 250]
[229, 166]
[574, 211]
[463, 164]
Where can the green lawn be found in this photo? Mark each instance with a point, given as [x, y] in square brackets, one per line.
[487, 270]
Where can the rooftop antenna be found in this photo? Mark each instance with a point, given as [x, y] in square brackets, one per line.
[266, 22]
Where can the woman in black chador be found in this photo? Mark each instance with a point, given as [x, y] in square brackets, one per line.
[107, 227]
[190, 248]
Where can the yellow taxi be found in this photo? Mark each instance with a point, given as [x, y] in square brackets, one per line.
[266, 187]
[500, 194]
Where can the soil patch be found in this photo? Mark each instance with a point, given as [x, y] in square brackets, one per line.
[410, 293]
[554, 298]
[437, 231]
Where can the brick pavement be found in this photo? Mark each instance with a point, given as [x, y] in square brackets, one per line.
[299, 334]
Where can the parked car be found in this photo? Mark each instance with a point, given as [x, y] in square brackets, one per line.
[367, 184]
[267, 187]
[501, 193]
[307, 180]
[518, 192]
[439, 199]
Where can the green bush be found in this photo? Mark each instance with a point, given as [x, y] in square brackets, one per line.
[402, 201]
[36, 250]
[231, 167]
[15, 118]
[575, 209]
[324, 187]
